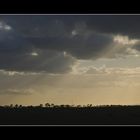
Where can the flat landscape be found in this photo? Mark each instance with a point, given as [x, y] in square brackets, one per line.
[67, 115]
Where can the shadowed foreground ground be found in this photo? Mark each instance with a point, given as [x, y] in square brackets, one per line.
[103, 115]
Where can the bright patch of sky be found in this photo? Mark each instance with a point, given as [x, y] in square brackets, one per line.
[129, 62]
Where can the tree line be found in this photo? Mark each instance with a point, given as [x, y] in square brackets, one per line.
[51, 105]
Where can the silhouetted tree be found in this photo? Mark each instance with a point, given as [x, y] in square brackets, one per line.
[79, 106]
[67, 106]
[11, 106]
[62, 106]
[20, 106]
[89, 105]
[56, 106]
[52, 105]
[30, 106]
[47, 105]
[16, 106]
[41, 105]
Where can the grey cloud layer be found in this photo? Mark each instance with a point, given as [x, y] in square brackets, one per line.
[115, 24]
[53, 43]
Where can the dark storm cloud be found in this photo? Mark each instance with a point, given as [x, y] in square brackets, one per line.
[44, 61]
[46, 43]
[115, 24]
[118, 24]
[52, 43]
[19, 53]
[78, 46]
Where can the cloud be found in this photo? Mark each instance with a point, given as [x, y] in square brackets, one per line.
[17, 91]
[116, 24]
[53, 44]
[46, 46]
[17, 73]
[79, 46]
[114, 70]
[46, 61]
[4, 27]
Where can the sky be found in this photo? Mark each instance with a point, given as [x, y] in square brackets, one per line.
[70, 59]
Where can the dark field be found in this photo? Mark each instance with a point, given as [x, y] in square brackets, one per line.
[103, 115]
